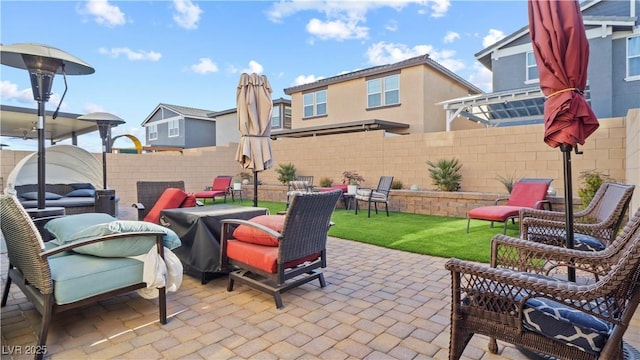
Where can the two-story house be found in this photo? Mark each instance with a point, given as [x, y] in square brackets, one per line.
[173, 126]
[399, 98]
[613, 86]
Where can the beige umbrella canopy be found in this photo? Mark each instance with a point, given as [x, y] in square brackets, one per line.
[254, 106]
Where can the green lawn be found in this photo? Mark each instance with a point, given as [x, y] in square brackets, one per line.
[422, 234]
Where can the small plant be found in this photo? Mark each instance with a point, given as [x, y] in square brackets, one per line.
[286, 173]
[245, 175]
[592, 179]
[396, 185]
[507, 181]
[445, 174]
[351, 178]
[326, 182]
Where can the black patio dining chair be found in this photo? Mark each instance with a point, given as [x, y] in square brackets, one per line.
[379, 195]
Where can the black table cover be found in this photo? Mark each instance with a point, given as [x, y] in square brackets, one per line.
[199, 229]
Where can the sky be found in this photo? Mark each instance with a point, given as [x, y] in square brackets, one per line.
[192, 53]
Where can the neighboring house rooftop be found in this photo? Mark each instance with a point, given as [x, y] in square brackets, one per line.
[381, 69]
[184, 111]
[354, 126]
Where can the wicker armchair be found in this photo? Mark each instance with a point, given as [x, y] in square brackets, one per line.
[150, 191]
[285, 252]
[515, 300]
[595, 227]
[56, 279]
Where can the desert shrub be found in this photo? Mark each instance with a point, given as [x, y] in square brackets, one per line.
[286, 173]
[445, 174]
[396, 185]
[326, 182]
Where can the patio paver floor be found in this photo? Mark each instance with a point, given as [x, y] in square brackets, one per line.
[378, 304]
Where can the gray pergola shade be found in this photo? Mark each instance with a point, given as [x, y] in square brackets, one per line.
[506, 108]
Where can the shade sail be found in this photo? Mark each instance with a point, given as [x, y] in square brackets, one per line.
[66, 164]
[254, 122]
[561, 49]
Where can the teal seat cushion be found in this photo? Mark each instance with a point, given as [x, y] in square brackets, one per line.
[80, 276]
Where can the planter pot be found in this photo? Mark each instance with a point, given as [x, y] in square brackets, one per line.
[351, 189]
[237, 186]
[245, 182]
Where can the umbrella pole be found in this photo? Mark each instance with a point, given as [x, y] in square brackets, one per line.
[568, 203]
[255, 189]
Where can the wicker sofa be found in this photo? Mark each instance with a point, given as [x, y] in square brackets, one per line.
[74, 198]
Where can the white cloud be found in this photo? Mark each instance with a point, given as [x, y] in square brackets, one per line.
[187, 14]
[481, 77]
[130, 54]
[254, 67]
[450, 37]
[492, 37]
[392, 26]
[337, 29]
[306, 79]
[205, 66]
[104, 13]
[343, 19]
[387, 53]
[9, 91]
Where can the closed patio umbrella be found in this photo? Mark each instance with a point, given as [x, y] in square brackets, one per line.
[254, 122]
[561, 50]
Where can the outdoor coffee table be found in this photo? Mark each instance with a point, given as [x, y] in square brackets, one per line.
[199, 230]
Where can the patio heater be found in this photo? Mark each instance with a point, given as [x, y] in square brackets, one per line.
[42, 62]
[105, 122]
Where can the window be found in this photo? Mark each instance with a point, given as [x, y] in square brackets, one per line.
[633, 57]
[275, 118]
[315, 103]
[383, 91]
[532, 68]
[153, 132]
[174, 128]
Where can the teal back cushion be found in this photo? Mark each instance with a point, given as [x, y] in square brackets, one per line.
[63, 228]
[130, 246]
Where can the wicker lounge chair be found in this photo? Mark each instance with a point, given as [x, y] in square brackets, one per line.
[595, 227]
[55, 279]
[517, 301]
[275, 253]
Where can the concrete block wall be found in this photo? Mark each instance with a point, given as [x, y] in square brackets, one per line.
[484, 154]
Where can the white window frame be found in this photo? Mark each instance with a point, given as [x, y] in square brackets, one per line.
[276, 119]
[153, 132]
[528, 66]
[636, 57]
[384, 91]
[174, 128]
[315, 104]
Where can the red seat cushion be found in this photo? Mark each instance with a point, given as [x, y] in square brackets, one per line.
[336, 187]
[189, 201]
[254, 236]
[208, 193]
[527, 194]
[260, 256]
[221, 183]
[494, 213]
[171, 198]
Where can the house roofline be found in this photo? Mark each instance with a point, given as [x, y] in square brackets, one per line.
[176, 109]
[349, 127]
[418, 60]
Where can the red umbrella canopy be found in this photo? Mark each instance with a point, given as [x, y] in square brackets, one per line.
[561, 49]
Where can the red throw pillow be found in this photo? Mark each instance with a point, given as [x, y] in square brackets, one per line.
[251, 235]
[171, 198]
[189, 201]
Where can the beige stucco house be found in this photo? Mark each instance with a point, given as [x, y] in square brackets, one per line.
[399, 98]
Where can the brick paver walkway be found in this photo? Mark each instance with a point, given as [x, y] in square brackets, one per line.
[378, 304]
